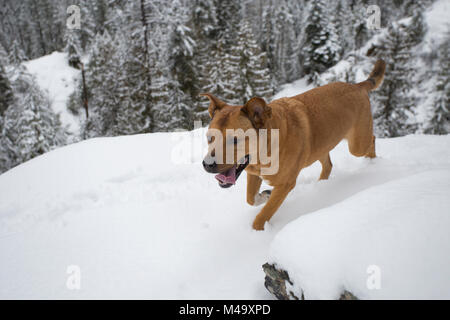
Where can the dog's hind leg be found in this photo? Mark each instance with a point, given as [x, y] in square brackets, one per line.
[326, 167]
[371, 152]
[361, 141]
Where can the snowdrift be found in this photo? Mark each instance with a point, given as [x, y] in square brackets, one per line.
[140, 218]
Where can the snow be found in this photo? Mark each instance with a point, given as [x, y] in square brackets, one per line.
[58, 79]
[437, 21]
[141, 219]
[293, 89]
[399, 227]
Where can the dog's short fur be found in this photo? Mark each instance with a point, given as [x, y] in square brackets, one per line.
[310, 126]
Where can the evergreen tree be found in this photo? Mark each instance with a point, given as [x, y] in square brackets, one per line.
[3, 56]
[321, 48]
[16, 55]
[360, 32]
[6, 94]
[417, 28]
[279, 41]
[133, 113]
[88, 24]
[254, 72]
[203, 23]
[440, 119]
[228, 17]
[394, 101]
[222, 74]
[30, 127]
[103, 88]
[72, 48]
[342, 20]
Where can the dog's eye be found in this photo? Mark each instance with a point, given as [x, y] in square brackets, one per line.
[210, 139]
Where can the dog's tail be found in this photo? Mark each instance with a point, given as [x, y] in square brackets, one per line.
[375, 77]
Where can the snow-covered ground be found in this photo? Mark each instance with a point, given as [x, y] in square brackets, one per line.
[141, 220]
[390, 241]
[57, 78]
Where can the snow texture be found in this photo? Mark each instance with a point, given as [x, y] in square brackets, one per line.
[142, 219]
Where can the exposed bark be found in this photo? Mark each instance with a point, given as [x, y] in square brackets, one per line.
[276, 283]
[85, 94]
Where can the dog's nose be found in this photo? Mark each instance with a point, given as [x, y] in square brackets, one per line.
[210, 167]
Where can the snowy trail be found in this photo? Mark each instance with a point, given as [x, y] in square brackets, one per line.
[140, 226]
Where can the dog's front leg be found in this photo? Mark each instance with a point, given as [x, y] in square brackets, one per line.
[253, 185]
[277, 197]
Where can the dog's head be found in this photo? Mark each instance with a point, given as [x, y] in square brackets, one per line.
[233, 137]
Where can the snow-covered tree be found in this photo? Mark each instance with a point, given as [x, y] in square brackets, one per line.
[6, 94]
[101, 80]
[29, 125]
[253, 65]
[440, 119]
[134, 89]
[228, 17]
[417, 28]
[360, 32]
[203, 23]
[72, 48]
[16, 55]
[321, 47]
[394, 100]
[280, 42]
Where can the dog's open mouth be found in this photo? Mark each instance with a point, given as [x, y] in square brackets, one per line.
[228, 178]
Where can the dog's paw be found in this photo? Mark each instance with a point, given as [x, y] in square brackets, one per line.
[258, 225]
[262, 197]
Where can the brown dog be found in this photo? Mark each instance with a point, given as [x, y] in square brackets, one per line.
[309, 126]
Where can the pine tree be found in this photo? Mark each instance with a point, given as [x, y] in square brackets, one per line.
[6, 94]
[228, 17]
[394, 101]
[417, 28]
[88, 24]
[342, 21]
[72, 48]
[16, 55]
[103, 88]
[279, 41]
[321, 48]
[360, 32]
[6, 102]
[222, 74]
[440, 120]
[134, 90]
[3, 56]
[254, 72]
[30, 127]
[203, 23]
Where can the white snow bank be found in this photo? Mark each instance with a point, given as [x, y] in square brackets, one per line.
[140, 224]
[54, 75]
[401, 227]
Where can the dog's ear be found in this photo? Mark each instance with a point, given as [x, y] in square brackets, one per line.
[215, 103]
[257, 110]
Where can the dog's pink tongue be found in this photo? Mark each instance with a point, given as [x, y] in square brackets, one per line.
[228, 176]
